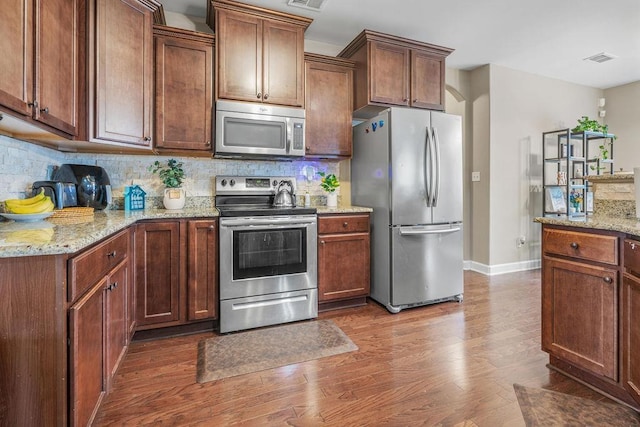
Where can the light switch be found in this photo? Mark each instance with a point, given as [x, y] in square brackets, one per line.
[475, 176]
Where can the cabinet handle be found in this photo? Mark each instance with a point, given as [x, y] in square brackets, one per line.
[111, 254]
[574, 245]
[415, 100]
[266, 95]
[345, 224]
[110, 287]
[114, 284]
[306, 148]
[44, 110]
[608, 279]
[259, 95]
[208, 143]
[405, 99]
[322, 242]
[633, 245]
[147, 138]
[33, 104]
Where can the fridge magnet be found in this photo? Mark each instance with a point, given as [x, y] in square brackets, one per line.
[374, 126]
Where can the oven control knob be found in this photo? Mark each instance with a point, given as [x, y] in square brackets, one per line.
[232, 182]
[274, 183]
[223, 182]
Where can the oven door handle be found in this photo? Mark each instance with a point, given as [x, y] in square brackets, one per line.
[272, 223]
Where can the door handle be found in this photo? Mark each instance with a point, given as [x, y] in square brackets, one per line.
[413, 232]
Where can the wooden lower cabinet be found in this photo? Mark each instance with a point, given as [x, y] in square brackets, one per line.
[590, 308]
[580, 315]
[98, 340]
[176, 272]
[343, 259]
[630, 319]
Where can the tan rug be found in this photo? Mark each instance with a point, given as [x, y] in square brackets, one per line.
[542, 407]
[260, 349]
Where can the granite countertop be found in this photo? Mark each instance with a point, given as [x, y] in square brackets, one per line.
[598, 222]
[67, 236]
[618, 176]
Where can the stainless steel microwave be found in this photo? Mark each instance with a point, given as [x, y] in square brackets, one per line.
[252, 130]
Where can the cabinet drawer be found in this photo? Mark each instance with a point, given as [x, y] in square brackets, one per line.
[587, 246]
[332, 224]
[91, 265]
[632, 256]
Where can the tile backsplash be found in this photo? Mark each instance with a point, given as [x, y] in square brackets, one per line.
[22, 163]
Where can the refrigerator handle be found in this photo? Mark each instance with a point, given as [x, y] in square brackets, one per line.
[409, 232]
[426, 160]
[436, 190]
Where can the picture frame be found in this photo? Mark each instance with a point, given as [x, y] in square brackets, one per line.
[556, 200]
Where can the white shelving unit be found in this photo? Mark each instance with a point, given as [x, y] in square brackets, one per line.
[568, 160]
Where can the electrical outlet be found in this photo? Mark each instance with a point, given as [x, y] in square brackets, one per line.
[520, 241]
[475, 176]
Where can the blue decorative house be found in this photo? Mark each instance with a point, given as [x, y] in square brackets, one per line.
[134, 198]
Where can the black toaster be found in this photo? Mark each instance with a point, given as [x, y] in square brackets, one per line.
[62, 194]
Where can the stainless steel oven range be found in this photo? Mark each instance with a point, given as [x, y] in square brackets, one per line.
[268, 253]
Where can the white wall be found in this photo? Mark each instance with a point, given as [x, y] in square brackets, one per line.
[522, 106]
[623, 117]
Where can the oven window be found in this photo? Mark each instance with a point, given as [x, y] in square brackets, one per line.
[261, 253]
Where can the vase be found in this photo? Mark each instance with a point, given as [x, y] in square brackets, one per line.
[174, 198]
[332, 200]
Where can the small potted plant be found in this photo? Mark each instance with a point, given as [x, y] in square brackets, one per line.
[585, 124]
[172, 175]
[330, 184]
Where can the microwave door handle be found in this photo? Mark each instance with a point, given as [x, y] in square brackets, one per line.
[287, 137]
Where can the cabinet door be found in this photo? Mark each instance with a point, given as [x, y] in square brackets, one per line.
[184, 97]
[239, 61]
[56, 66]
[203, 272]
[343, 266]
[328, 108]
[16, 55]
[427, 80]
[123, 72]
[630, 341]
[580, 316]
[157, 275]
[87, 351]
[389, 69]
[116, 328]
[283, 61]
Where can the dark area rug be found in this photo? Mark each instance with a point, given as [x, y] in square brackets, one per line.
[542, 407]
[260, 349]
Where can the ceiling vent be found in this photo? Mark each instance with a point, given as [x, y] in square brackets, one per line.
[315, 5]
[601, 57]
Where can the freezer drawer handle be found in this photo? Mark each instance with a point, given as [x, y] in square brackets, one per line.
[409, 232]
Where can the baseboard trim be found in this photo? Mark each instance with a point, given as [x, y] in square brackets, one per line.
[493, 270]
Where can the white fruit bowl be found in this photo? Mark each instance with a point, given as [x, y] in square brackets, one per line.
[27, 217]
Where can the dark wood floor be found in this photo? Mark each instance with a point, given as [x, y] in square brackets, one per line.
[448, 364]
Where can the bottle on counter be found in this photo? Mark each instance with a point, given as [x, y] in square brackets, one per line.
[307, 199]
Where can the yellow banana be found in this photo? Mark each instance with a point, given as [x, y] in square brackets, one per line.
[28, 201]
[45, 205]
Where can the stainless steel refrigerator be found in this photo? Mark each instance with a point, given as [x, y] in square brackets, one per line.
[407, 166]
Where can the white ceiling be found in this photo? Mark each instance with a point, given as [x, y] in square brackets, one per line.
[545, 37]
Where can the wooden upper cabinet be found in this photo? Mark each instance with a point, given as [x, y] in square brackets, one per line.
[328, 103]
[392, 70]
[16, 52]
[122, 72]
[389, 73]
[259, 54]
[183, 90]
[39, 61]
